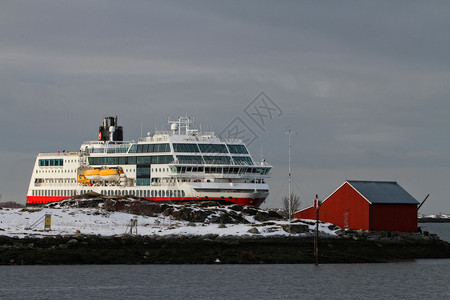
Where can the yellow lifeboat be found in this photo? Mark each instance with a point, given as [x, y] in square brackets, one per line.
[111, 174]
[93, 174]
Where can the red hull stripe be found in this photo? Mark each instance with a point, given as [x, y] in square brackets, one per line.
[36, 200]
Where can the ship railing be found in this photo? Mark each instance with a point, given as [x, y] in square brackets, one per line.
[230, 140]
[265, 164]
[59, 153]
[162, 184]
[107, 142]
[46, 184]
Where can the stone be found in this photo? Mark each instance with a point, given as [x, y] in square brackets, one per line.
[297, 228]
[72, 242]
[253, 230]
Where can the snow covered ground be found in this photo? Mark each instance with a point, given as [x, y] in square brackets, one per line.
[97, 221]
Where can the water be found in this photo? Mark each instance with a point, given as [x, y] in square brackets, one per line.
[441, 229]
[423, 279]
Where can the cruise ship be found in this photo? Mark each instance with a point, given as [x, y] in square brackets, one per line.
[181, 164]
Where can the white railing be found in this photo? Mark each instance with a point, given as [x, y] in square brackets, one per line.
[59, 153]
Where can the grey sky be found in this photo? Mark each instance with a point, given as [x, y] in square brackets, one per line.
[364, 83]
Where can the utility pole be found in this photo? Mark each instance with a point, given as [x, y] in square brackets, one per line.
[289, 132]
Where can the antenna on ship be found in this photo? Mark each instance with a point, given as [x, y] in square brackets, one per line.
[290, 132]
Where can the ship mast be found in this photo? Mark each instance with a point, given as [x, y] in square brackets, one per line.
[290, 132]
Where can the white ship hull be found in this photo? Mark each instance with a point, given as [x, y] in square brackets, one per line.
[164, 167]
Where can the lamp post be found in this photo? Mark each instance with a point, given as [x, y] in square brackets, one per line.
[289, 132]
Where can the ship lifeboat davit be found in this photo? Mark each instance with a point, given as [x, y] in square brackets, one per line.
[111, 174]
[82, 179]
[93, 174]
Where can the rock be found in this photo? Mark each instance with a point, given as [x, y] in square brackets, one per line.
[72, 242]
[191, 224]
[237, 207]
[253, 230]
[273, 215]
[333, 227]
[262, 216]
[297, 228]
[222, 226]
[250, 211]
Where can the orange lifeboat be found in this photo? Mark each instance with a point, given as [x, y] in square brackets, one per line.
[111, 174]
[93, 174]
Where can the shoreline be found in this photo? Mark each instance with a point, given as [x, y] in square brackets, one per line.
[213, 249]
[433, 220]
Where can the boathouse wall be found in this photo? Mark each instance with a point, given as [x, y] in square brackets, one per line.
[348, 207]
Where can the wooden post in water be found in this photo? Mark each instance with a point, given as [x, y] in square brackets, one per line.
[316, 239]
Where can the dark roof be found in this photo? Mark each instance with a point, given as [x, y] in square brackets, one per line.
[383, 192]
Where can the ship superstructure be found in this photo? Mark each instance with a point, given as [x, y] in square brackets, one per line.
[182, 164]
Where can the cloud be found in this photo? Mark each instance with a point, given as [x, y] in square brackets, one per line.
[365, 84]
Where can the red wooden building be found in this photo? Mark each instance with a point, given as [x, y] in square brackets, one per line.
[368, 205]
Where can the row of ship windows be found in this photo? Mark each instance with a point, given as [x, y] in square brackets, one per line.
[138, 193]
[145, 193]
[177, 147]
[189, 148]
[54, 193]
[55, 171]
[131, 160]
[55, 180]
[166, 159]
[59, 162]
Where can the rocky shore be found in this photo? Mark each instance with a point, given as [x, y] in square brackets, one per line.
[350, 247]
[93, 229]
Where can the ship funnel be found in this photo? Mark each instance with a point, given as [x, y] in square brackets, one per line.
[109, 131]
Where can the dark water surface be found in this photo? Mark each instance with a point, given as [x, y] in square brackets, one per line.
[422, 279]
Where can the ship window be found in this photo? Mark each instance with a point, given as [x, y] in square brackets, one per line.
[51, 162]
[217, 160]
[111, 161]
[162, 159]
[189, 159]
[161, 148]
[185, 148]
[213, 148]
[133, 149]
[238, 149]
[243, 160]
[147, 148]
[182, 194]
[143, 160]
[142, 148]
